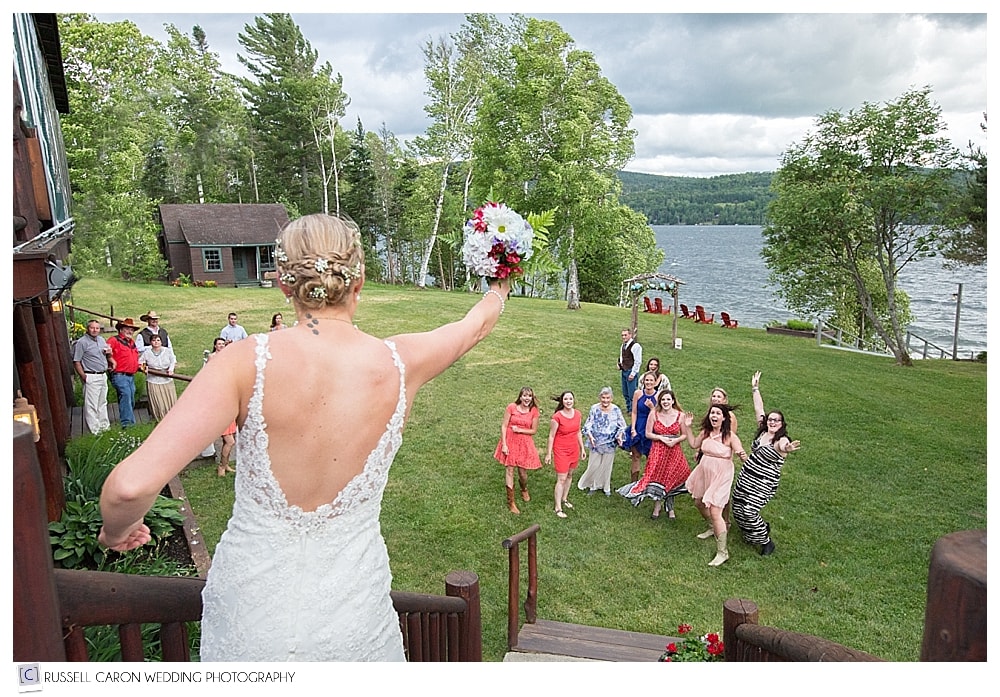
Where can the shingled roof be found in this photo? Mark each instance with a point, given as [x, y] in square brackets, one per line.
[224, 224]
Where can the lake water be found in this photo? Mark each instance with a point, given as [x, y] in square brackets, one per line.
[722, 270]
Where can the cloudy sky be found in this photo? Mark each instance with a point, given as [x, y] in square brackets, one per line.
[711, 93]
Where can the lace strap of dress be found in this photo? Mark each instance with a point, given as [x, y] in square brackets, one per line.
[401, 403]
[255, 411]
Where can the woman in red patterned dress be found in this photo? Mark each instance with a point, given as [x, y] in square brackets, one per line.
[516, 449]
[666, 466]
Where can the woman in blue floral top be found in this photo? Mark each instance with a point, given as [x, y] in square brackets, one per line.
[603, 432]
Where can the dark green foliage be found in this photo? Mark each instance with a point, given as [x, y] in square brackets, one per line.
[90, 460]
[729, 199]
[74, 536]
[967, 245]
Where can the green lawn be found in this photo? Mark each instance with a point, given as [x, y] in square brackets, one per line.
[892, 459]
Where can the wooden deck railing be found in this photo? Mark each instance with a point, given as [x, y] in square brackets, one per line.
[512, 545]
[53, 606]
[747, 641]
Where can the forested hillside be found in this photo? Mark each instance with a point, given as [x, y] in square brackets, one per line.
[729, 199]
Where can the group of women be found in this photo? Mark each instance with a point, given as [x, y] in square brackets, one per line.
[659, 426]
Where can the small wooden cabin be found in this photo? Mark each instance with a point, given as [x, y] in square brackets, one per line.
[229, 243]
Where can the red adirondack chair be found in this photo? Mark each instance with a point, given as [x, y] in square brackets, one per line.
[701, 317]
[658, 302]
[649, 305]
[685, 313]
[728, 322]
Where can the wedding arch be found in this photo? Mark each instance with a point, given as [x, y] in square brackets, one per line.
[655, 283]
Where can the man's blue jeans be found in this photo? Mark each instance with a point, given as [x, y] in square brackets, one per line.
[629, 386]
[125, 387]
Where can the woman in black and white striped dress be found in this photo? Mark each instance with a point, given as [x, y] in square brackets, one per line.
[758, 480]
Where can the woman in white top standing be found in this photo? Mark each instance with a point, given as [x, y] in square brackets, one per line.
[161, 390]
[301, 571]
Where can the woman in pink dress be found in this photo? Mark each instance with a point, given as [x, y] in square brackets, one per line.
[516, 449]
[666, 466]
[712, 479]
[565, 447]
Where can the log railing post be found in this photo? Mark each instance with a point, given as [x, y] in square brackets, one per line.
[955, 619]
[465, 585]
[735, 612]
[37, 625]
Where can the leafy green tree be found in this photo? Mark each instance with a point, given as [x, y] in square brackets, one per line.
[360, 198]
[206, 122]
[866, 193]
[458, 70]
[554, 134]
[968, 244]
[115, 79]
[390, 170]
[289, 98]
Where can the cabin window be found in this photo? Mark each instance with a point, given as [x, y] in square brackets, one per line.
[212, 259]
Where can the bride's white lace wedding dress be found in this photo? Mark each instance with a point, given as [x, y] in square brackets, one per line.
[288, 584]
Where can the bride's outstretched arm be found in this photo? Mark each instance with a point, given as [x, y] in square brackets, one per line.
[428, 354]
[203, 411]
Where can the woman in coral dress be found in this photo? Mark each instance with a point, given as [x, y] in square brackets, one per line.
[229, 435]
[666, 466]
[516, 449]
[712, 479]
[566, 446]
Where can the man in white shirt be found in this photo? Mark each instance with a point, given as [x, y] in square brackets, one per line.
[232, 331]
[629, 363]
[91, 360]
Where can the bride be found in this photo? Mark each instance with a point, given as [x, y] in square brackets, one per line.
[301, 572]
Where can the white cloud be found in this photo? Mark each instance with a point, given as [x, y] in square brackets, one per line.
[711, 93]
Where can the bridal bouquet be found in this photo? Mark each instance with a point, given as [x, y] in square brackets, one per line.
[497, 240]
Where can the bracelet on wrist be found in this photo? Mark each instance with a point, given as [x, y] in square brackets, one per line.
[503, 303]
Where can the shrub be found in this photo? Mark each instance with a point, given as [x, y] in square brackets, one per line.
[800, 325]
[74, 535]
[90, 460]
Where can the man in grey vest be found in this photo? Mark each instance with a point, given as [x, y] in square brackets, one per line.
[629, 362]
[143, 338]
[90, 361]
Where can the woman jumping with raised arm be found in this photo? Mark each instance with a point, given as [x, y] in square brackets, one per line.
[759, 477]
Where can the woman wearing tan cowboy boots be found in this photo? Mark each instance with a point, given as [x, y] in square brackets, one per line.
[516, 449]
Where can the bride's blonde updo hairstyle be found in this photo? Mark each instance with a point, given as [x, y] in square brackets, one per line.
[320, 259]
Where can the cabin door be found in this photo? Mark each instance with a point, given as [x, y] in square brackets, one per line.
[244, 265]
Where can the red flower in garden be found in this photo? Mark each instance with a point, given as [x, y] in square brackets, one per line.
[693, 647]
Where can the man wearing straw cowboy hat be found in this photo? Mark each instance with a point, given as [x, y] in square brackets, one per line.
[143, 338]
[126, 362]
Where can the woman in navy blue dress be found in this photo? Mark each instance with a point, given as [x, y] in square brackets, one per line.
[643, 400]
